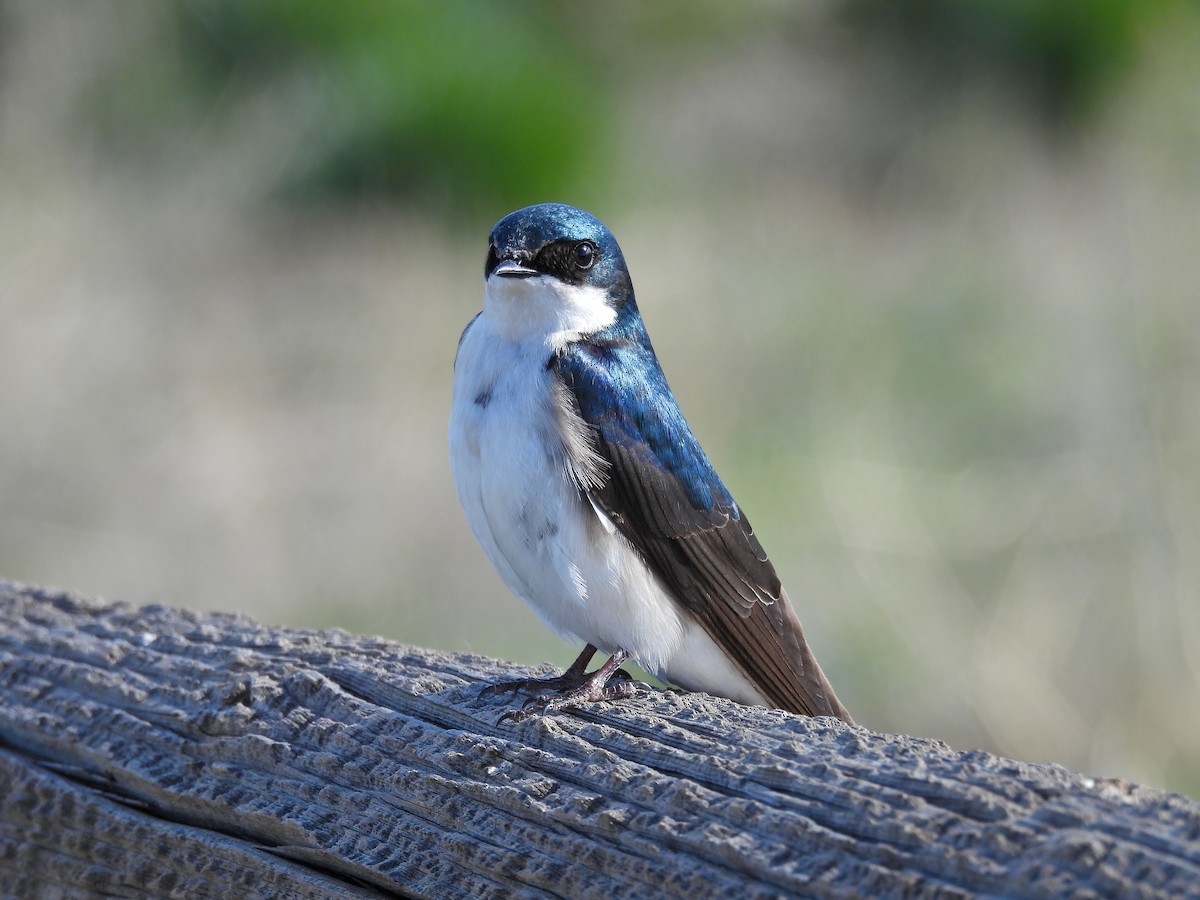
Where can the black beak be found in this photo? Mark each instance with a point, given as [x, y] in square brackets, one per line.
[510, 268]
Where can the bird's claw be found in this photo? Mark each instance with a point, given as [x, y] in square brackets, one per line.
[503, 687]
[530, 685]
[619, 687]
[530, 708]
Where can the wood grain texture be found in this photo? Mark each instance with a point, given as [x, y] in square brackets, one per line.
[164, 753]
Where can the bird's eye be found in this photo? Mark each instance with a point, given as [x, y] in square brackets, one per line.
[585, 255]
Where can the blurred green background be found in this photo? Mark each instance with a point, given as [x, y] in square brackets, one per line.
[923, 276]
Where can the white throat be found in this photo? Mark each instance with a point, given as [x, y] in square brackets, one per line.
[542, 307]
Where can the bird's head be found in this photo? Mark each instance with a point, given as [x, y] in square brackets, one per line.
[554, 271]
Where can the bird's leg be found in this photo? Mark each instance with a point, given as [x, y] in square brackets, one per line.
[568, 680]
[608, 682]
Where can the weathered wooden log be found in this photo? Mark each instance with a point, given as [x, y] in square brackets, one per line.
[159, 752]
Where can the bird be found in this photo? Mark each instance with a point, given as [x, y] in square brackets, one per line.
[591, 496]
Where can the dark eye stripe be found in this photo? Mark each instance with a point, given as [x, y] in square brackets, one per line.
[560, 258]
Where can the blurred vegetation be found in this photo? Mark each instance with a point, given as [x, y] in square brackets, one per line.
[468, 107]
[922, 274]
[1067, 54]
[461, 105]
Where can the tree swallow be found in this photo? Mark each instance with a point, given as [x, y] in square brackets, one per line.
[591, 496]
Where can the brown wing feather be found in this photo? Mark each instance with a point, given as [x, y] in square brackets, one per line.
[712, 563]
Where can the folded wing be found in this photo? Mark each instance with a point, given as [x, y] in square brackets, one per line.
[658, 487]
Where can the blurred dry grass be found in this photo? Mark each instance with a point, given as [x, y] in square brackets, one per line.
[948, 364]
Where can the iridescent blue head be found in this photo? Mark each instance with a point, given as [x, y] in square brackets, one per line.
[562, 242]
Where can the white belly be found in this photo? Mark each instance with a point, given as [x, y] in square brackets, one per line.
[551, 547]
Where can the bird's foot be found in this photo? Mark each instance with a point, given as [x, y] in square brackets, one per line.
[564, 682]
[619, 686]
[574, 687]
[567, 681]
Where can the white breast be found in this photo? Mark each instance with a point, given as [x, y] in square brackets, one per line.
[549, 544]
